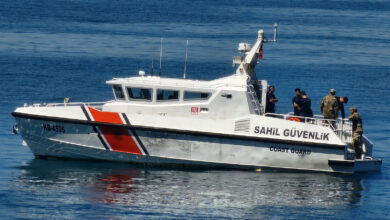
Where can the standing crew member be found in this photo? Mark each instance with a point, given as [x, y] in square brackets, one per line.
[305, 105]
[341, 101]
[357, 131]
[271, 100]
[295, 101]
[329, 106]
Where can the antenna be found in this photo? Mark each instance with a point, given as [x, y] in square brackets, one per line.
[275, 31]
[159, 72]
[185, 62]
[151, 72]
[275, 34]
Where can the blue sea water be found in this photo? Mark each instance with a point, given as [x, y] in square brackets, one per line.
[69, 48]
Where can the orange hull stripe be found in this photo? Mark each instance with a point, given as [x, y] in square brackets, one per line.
[108, 117]
[119, 139]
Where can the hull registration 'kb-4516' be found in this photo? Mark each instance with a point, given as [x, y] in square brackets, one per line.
[218, 123]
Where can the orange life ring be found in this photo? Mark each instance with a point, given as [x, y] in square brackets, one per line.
[294, 119]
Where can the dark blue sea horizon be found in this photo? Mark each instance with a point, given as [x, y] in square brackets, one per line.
[55, 49]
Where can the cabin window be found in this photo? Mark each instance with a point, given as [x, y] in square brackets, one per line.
[166, 95]
[196, 95]
[118, 92]
[140, 93]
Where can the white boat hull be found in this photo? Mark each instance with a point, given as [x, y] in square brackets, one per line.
[152, 146]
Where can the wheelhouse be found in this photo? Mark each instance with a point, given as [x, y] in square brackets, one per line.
[228, 97]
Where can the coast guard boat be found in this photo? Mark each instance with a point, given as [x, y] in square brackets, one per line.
[218, 123]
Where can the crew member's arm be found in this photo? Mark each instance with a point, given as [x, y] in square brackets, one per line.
[298, 104]
[271, 98]
[336, 106]
[342, 111]
[322, 105]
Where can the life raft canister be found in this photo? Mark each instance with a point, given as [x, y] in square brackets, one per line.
[294, 119]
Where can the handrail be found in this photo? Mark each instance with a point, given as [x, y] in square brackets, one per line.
[257, 107]
[342, 127]
[67, 104]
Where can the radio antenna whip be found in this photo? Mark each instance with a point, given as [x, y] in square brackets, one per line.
[185, 62]
[151, 72]
[159, 72]
[275, 31]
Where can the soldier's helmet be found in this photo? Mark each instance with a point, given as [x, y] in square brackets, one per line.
[332, 91]
[353, 109]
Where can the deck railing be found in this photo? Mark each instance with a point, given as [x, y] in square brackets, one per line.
[342, 127]
[92, 104]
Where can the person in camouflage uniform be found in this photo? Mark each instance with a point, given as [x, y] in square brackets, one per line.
[329, 106]
[357, 131]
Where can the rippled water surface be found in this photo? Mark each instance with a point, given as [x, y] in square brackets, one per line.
[55, 49]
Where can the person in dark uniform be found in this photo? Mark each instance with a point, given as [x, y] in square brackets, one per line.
[305, 105]
[295, 102]
[271, 100]
[341, 101]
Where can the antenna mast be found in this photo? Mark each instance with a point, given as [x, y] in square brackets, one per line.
[159, 72]
[275, 34]
[151, 72]
[275, 31]
[185, 62]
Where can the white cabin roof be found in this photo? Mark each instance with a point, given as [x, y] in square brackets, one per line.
[234, 82]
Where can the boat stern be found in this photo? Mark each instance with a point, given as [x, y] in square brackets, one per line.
[356, 166]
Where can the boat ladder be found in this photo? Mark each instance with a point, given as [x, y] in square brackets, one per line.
[257, 107]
